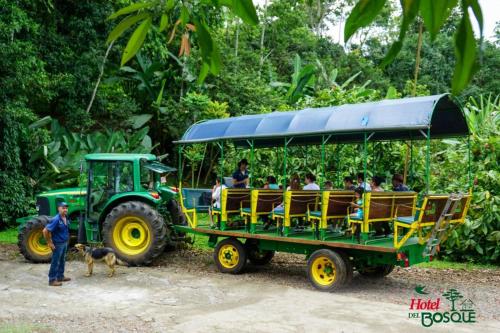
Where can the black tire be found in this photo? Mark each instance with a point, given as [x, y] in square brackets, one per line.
[31, 242]
[230, 256]
[376, 272]
[256, 256]
[140, 232]
[178, 217]
[326, 270]
[349, 268]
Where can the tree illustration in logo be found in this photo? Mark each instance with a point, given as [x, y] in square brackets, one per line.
[452, 295]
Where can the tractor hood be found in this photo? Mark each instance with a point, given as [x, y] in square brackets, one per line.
[167, 192]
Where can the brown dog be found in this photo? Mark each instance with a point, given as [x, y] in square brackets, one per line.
[105, 254]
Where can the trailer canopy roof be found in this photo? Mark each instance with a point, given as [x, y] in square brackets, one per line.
[394, 119]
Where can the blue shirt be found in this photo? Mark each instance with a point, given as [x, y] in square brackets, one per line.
[274, 187]
[58, 229]
[400, 188]
[239, 176]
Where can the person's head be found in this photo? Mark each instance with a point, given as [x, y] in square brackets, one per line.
[376, 181]
[360, 177]
[271, 180]
[358, 192]
[62, 208]
[217, 181]
[243, 164]
[397, 179]
[295, 182]
[328, 185]
[310, 178]
[348, 182]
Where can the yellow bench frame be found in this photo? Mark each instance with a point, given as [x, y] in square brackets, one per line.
[418, 225]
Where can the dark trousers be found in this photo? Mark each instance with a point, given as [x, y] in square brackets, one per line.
[56, 271]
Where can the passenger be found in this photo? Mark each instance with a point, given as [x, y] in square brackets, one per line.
[397, 183]
[358, 203]
[310, 182]
[216, 193]
[361, 182]
[349, 184]
[375, 184]
[294, 183]
[328, 185]
[272, 184]
[240, 176]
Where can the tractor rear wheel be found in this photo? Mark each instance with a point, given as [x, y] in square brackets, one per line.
[136, 231]
[376, 272]
[31, 242]
[255, 255]
[326, 270]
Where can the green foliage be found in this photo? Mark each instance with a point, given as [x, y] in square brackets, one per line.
[434, 14]
[479, 239]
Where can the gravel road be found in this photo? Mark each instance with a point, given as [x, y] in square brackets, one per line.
[183, 292]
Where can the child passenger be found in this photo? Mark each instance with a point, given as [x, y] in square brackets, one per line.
[358, 204]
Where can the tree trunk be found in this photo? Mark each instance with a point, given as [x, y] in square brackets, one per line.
[101, 71]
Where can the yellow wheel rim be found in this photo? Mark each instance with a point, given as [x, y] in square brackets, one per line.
[131, 235]
[229, 256]
[37, 243]
[323, 271]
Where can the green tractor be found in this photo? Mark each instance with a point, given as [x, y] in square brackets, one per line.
[123, 205]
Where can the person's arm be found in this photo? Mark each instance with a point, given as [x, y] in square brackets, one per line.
[48, 238]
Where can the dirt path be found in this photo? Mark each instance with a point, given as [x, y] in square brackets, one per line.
[183, 292]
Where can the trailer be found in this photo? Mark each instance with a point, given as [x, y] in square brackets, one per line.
[251, 224]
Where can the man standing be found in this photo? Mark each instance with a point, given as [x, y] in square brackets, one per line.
[56, 234]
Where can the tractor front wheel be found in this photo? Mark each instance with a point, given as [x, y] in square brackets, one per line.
[31, 242]
[136, 232]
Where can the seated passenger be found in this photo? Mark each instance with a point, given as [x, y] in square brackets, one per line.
[310, 182]
[375, 184]
[361, 182]
[328, 185]
[294, 183]
[272, 184]
[358, 204]
[348, 184]
[217, 192]
[397, 183]
[240, 176]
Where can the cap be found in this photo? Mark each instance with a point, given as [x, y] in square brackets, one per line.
[62, 204]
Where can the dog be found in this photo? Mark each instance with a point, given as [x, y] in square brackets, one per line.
[105, 254]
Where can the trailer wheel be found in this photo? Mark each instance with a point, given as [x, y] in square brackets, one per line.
[349, 268]
[230, 256]
[326, 270]
[136, 232]
[255, 255]
[376, 272]
[31, 242]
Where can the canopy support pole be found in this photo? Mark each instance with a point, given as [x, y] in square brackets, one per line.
[179, 173]
[287, 142]
[250, 143]
[364, 226]
[323, 157]
[411, 163]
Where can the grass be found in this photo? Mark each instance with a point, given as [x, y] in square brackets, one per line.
[8, 236]
[443, 264]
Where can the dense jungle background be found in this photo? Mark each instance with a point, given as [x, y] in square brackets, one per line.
[65, 91]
